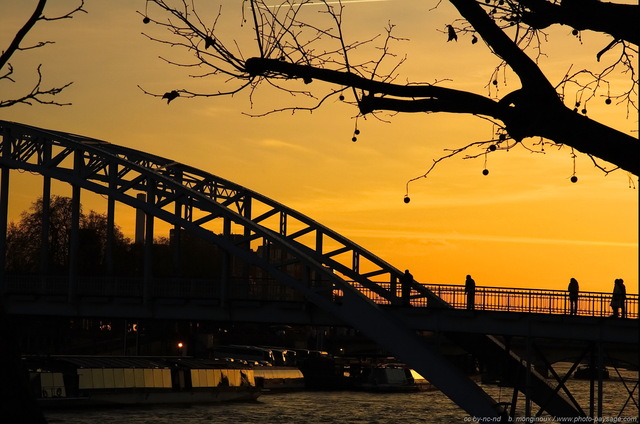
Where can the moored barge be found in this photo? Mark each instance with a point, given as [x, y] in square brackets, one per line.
[76, 381]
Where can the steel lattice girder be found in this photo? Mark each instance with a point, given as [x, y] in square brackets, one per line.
[122, 173]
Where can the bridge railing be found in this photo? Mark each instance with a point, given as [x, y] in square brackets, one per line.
[266, 289]
[532, 300]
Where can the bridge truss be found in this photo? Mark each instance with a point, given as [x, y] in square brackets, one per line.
[244, 223]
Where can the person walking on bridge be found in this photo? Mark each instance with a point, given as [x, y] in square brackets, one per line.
[573, 289]
[623, 301]
[618, 297]
[470, 290]
[405, 285]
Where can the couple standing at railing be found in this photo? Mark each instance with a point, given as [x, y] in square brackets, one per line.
[618, 298]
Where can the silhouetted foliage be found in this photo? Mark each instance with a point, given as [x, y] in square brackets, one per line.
[289, 45]
[24, 239]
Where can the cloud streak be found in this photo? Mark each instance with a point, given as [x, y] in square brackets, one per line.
[448, 237]
[272, 143]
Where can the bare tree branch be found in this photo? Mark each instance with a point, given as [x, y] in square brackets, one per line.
[37, 93]
[618, 20]
[22, 32]
[292, 48]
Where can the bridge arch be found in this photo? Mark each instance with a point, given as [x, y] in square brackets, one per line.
[176, 193]
[189, 198]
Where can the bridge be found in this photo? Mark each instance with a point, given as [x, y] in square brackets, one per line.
[279, 265]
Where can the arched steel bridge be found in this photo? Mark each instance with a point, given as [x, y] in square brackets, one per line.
[248, 226]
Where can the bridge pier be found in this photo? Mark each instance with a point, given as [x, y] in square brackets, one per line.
[596, 363]
[147, 267]
[528, 388]
[4, 218]
[74, 243]
[227, 265]
[46, 213]
[111, 221]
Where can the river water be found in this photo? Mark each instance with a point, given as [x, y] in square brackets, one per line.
[331, 407]
[296, 407]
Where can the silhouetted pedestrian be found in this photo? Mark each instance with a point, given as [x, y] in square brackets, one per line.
[405, 284]
[573, 289]
[470, 290]
[618, 297]
[623, 299]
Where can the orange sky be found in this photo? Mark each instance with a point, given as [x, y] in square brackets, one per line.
[523, 225]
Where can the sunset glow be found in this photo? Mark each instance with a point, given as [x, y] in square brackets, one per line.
[525, 224]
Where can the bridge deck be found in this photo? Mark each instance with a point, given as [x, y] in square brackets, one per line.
[502, 299]
[498, 311]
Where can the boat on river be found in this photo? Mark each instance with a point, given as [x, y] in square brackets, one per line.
[76, 381]
[390, 378]
[586, 372]
[274, 368]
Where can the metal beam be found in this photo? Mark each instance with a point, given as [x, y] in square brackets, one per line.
[229, 202]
